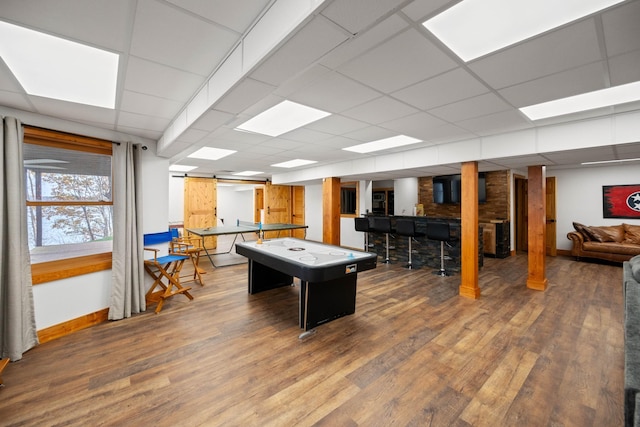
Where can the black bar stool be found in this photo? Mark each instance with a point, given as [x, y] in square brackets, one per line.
[407, 227]
[364, 224]
[439, 231]
[382, 224]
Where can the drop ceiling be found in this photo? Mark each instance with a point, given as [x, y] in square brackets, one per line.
[371, 64]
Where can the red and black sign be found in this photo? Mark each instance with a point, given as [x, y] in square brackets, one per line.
[621, 201]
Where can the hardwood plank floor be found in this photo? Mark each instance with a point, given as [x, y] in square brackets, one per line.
[414, 354]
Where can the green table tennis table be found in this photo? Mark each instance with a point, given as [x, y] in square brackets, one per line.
[239, 229]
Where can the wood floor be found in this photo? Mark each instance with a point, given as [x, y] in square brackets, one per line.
[413, 354]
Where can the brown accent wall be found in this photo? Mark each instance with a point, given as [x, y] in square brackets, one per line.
[496, 207]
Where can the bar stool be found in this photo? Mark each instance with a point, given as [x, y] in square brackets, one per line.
[439, 231]
[383, 225]
[364, 224]
[407, 227]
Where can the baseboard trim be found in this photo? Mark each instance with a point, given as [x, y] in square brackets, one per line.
[71, 326]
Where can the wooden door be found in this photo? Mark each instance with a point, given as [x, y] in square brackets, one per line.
[550, 195]
[297, 210]
[277, 199]
[258, 203]
[200, 206]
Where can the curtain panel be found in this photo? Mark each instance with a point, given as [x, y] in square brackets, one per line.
[128, 287]
[17, 317]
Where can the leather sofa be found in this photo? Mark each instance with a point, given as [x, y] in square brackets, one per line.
[616, 243]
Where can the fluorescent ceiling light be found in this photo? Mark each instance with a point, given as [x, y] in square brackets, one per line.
[181, 168]
[294, 163]
[383, 144]
[602, 162]
[282, 118]
[247, 173]
[586, 101]
[56, 68]
[473, 28]
[210, 153]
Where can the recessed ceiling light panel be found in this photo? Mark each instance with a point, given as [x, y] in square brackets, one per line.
[583, 102]
[56, 68]
[247, 173]
[282, 118]
[294, 163]
[473, 28]
[383, 144]
[211, 153]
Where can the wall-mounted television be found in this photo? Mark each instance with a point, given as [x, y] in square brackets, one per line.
[447, 188]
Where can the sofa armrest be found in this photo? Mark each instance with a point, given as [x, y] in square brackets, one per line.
[578, 240]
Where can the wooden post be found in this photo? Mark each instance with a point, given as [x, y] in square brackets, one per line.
[469, 231]
[331, 211]
[536, 191]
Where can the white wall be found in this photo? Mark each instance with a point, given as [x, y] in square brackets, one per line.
[405, 192]
[313, 211]
[579, 196]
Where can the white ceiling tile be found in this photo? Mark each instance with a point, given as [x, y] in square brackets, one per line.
[400, 62]
[371, 133]
[444, 89]
[468, 108]
[625, 68]
[486, 125]
[246, 93]
[356, 15]
[364, 41]
[622, 28]
[149, 105]
[305, 48]
[306, 135]
[380, 110]
[567, 83]
[72, 111]
[237, 15]
[99, 24]
[161, 81]
[178, 39]
[334, 93]
[336, 124]
[212, 120]
[419, 10]
[557, 51]
[141, 121]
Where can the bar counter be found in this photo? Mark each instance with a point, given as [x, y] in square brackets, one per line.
[426, 252]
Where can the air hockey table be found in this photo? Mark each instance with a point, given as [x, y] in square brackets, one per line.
[328, 275]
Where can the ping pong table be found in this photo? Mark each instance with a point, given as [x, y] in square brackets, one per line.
[239, 229]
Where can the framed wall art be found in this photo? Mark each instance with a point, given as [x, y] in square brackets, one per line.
[621, 201]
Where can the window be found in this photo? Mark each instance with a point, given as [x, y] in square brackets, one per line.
[69, 201]
[349, 198]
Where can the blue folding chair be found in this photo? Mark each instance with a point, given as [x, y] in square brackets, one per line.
[165, 270]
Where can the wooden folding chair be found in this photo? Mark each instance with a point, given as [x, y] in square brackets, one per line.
[192, 247]
[165, 270]
[3, 364]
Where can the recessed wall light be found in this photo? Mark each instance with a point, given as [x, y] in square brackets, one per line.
[473, 28]
[282, 118]
[211, 153]
[602, 162]
[247, 173]
[56, 68]
[181, 168]
[294, 163]
[583, 102]
[383, 144]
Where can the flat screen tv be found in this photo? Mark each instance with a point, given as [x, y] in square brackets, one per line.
[447, 188]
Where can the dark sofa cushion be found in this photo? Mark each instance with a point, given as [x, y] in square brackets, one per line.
[582, 229]
[609, 233]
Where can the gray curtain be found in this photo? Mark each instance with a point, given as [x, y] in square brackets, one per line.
[17, 317]
[128, 287]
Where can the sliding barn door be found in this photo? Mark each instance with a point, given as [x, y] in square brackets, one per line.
[277, 200]
[200, 210]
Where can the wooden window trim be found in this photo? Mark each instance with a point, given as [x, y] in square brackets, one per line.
[70, 267]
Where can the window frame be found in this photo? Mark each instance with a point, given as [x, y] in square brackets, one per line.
[47, 271]
[344, 186]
